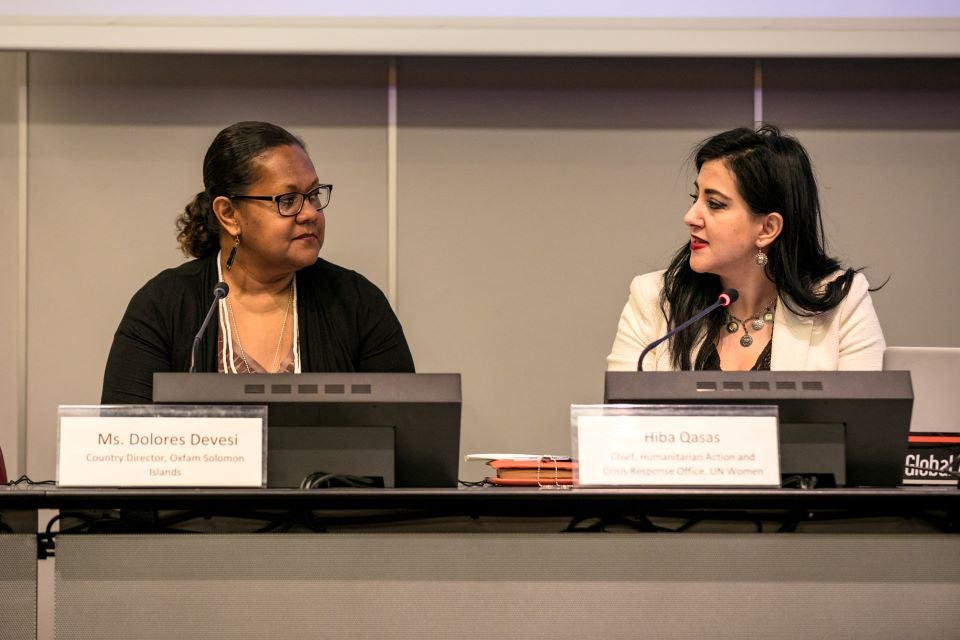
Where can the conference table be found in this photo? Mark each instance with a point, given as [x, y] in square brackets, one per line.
[482, 562]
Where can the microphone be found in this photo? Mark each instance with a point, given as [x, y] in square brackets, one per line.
[728, 297]
[220, 291]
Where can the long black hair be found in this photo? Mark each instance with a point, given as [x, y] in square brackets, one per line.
[227, 168]
[773, 174]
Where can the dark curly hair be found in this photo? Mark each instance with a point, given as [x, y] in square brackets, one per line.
[773, 173]
[227, 168]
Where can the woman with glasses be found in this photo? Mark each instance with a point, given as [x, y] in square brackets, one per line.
[754, 226]
[258, 226]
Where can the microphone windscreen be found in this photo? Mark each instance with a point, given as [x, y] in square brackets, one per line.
[731, 296]
[220, 290]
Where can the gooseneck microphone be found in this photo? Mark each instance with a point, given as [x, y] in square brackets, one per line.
[220, 291]
[728, 297]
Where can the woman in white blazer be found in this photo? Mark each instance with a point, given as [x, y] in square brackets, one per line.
[754, 226]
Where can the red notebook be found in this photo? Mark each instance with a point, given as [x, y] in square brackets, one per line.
[521, 473]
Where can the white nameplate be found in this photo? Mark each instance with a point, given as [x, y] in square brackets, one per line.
[679, 450]
[155, 451]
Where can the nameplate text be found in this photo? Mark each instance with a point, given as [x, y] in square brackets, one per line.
[678, 450]
[114, 451]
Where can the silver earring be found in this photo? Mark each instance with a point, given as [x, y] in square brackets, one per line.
[233, 252]
[761, 258]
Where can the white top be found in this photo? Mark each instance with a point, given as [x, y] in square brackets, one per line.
[846, 338]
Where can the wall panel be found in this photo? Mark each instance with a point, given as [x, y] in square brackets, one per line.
[884, 136]
[116, 150]
[530, 193]
[10, 259]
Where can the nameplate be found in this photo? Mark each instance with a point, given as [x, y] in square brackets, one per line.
[676, 445]
[161, 446]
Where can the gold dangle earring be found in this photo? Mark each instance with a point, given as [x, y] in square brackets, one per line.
[233, 252]
[761, 258]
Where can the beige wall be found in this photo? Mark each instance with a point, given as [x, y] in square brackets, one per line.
[884, 136]
[10, 338]
[530, 191]
[116, 148]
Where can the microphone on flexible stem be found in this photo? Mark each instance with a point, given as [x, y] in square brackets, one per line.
[220, 291]
[728, 297]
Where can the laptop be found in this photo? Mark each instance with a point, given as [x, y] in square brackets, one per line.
[934, 441]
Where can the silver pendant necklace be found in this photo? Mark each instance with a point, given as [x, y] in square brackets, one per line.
[756, 322]
[276, 354]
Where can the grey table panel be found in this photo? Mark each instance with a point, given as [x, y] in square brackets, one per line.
[416, 585]
[18, 586]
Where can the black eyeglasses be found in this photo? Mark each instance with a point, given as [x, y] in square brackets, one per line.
[290, 204]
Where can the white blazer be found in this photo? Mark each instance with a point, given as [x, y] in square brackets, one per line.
[846, 338]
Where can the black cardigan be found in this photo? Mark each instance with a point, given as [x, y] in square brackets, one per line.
[345, 324]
